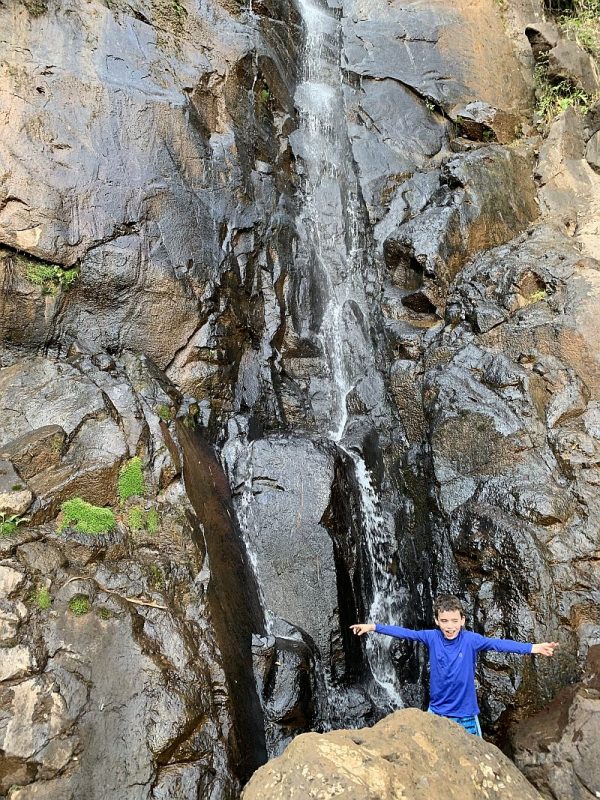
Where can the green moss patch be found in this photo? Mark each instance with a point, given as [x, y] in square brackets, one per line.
[131, 480]
[79, 604]
[165, 412]
[152, 521]
[85, 517]
[138, 520]
[41, 598]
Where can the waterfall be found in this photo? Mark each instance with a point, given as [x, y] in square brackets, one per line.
[332, 226]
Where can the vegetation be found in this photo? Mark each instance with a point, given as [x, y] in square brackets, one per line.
[553, 98]
[136, 520]
[152, 521]
[131, 480]
[541, 294]
[9, 524]
[36, 7]
[179, 10]
[157, 578]
[85, 517]
[41, 598]
[79, 604]
[104, 613]
[165, 412]
[52, 278]
[583, 24]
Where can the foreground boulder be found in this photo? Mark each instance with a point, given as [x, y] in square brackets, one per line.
[409, 754]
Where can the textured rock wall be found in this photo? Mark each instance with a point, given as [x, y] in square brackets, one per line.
[150, 204]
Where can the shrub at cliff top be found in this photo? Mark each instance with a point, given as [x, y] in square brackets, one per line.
[86, 518]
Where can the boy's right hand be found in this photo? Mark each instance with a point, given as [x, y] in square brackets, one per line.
[363, 627]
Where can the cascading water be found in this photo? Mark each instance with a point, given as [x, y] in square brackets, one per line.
[332, 229]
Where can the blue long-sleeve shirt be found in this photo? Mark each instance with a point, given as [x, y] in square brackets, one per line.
[452, 665]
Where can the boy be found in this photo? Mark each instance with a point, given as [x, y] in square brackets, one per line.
[452, 656]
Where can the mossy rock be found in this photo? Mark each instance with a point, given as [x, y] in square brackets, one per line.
[83, 517]
[131, 480]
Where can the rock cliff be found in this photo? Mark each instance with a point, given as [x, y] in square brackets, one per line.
[298, 327]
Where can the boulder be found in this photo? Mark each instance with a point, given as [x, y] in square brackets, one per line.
[567, 61]
[410, 754]
[558, 749]
[282, 508]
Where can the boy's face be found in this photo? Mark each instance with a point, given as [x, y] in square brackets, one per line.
[450, 623]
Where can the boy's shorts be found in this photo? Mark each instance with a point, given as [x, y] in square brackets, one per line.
[470, 724]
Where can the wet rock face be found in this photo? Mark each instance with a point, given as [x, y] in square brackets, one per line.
[508, 383]
[408, 754]
[150, 205]
[557, 749]
[106, 648]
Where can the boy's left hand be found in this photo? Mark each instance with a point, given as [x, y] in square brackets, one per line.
[544, 648]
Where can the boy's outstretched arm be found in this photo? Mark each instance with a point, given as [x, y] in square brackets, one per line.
[486, 643]
[544, 648]
[391, 630]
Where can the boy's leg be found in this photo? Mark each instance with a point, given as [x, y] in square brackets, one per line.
[470, 724]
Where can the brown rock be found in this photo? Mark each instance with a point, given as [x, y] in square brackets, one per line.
[567, 61]
[559, 748]
[15, 495]
[410, 754]
[35, 451]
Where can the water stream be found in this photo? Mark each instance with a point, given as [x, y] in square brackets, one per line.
[332, 223]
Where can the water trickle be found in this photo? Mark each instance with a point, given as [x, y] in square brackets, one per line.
[388, 598]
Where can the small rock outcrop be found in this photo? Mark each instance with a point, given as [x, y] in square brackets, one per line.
[410, 754]
[558, 749]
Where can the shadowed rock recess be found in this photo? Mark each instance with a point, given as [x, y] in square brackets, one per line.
[298, 324]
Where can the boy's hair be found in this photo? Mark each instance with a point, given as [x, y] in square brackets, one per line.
[447, 602]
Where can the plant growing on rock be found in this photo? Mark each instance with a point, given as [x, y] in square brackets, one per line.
[165, 412]
[157, 578]
[152, 521]
[553, 98]
[135, 519]
[583, 25]
[84, 517]
[42, 598]
[9, 524]
[52, 278]
[131, 480]
[79, 604]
